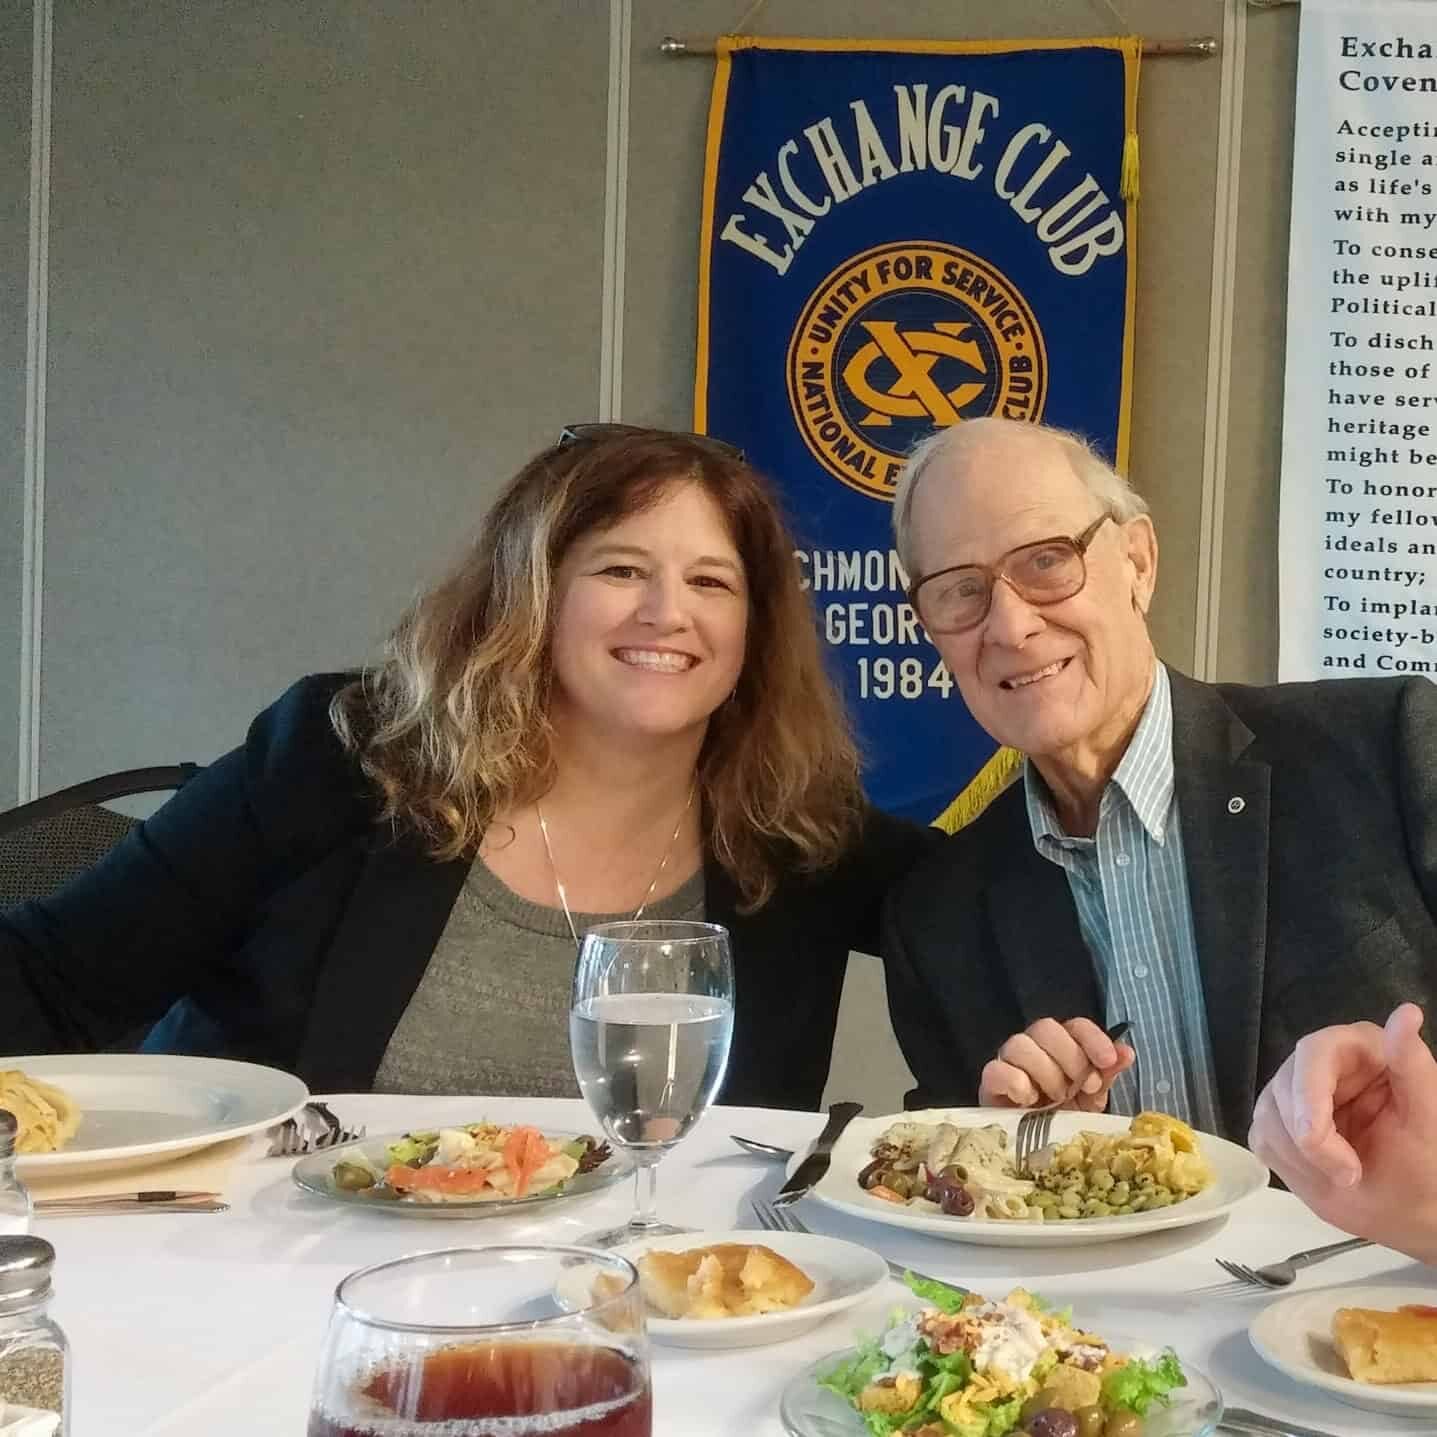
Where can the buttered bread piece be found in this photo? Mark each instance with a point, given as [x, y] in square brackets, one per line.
[1382, 1346]
[728, 1279]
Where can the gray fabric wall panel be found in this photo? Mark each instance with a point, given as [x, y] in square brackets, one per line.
[15, 52]
[1247, 619]
[321, 275]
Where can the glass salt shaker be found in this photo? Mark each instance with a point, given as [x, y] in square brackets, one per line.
[34, 1355]
[14, 1198]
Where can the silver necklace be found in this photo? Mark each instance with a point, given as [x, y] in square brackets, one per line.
[659, 872]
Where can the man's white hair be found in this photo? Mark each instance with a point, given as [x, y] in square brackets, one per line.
[959, 444]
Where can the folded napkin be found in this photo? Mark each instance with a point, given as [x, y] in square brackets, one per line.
[202, 1171]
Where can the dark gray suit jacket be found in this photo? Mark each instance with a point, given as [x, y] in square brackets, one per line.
[1309, 824]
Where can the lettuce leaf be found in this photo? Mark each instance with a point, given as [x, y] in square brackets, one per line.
[1002, 1417]
[1138, 1384]
[849, 1378]
[413, 1149]
[936, 1294]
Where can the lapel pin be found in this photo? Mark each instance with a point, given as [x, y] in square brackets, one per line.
[1236, 804]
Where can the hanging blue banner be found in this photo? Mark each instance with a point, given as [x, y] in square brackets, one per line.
[897, 237]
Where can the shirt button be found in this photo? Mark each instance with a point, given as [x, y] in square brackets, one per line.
[1236, 804]
[1163, 1086]
[1141, 971]
[1122, 860]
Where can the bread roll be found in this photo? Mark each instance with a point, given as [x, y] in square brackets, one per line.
[728, 1279]
[1381, 1346]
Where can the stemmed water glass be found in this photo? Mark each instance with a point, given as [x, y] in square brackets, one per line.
[650, 1028]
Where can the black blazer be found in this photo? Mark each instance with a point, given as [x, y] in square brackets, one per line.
[1309, 825]
[264, 915]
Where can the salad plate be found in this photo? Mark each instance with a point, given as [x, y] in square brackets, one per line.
[1294, 1335]
[1236, 1176]
[441, 1172]
[842, 1274]
[808, 1409]
[965, 1365]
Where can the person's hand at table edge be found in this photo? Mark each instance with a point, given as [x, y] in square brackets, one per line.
[1349, 1123]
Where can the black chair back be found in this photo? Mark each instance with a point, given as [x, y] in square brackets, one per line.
[45, 843]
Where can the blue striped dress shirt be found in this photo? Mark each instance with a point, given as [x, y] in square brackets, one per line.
[1129, 883]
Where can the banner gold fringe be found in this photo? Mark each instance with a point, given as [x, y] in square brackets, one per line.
[1128, 184]
[990, 780]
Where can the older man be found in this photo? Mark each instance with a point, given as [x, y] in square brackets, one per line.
[1224, 867]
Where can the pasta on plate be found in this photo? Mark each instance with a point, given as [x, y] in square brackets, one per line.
[47, 1117]
[972, 1173]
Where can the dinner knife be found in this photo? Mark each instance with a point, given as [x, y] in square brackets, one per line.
[813, 1167]
[1254, 1424]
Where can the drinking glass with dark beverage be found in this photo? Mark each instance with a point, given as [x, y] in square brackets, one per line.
[472, 1342]
[649, 1031]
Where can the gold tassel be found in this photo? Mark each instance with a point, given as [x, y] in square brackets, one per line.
[987, 784]
[1128, 184]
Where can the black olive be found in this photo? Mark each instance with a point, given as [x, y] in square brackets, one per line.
[957, 1201]
[872, 1175]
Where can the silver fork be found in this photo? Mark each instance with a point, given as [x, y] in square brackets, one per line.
[1036, 1123]
[337, 1132]
[290, 1142]
[775, 1219]
[1276, 1275]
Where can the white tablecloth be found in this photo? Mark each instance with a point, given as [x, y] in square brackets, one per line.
[189, 1324]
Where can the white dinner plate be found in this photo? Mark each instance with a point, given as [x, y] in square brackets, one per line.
[1237, 1175]
[138, 1108]
[1294, 1334]
[808, 1410]
[315, 1174]
[842, 1273]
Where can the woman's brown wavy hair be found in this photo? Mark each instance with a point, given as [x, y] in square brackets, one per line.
[452, 727]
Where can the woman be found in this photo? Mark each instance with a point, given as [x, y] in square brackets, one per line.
[614, 705]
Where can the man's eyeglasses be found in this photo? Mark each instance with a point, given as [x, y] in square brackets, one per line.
[578, 433]
[951, 601]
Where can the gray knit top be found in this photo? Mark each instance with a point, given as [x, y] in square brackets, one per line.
[491, 1014]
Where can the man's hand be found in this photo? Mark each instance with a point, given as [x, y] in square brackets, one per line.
[1349, 1122]
[1050, 1060]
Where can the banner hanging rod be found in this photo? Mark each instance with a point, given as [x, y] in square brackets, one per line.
[1201, 47]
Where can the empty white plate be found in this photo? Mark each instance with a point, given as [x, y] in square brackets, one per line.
[842, 1273]
[137, 1108]
[1294, 1334]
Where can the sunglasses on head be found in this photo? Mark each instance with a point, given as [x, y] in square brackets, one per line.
[581, 433]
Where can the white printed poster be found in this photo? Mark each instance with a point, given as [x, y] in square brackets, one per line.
[1358, 533]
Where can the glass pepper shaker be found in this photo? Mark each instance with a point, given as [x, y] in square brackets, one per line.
[34, 1355]
[14, 1199]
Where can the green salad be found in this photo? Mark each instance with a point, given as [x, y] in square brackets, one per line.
[963, 1366]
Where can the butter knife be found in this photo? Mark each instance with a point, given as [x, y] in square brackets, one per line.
[813, 1167]
[1254, 1424]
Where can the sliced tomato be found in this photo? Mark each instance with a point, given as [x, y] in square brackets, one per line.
[525, 1152]
[437, 1178]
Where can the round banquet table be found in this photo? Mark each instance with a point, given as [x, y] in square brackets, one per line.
[187, 1323]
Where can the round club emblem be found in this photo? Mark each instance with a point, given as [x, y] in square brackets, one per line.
[899, 340]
